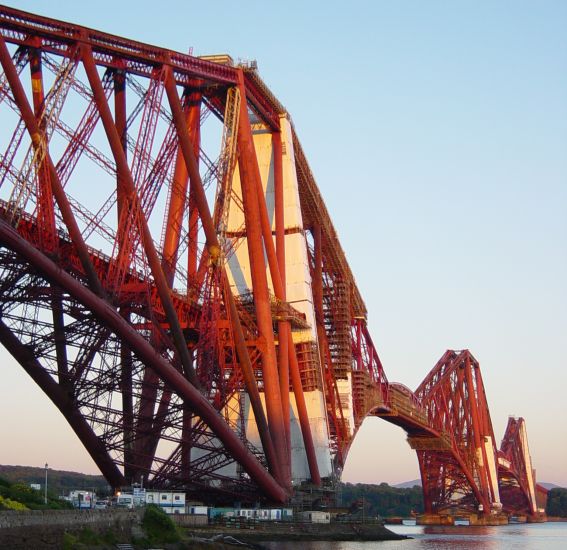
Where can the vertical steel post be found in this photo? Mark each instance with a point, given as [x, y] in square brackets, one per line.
[126, 369]
[175, 217]
[45, 210]
[248, 167]
[120, 121]
[188, 149]
[289, 369]
[317, 287]
[194, 126]
[358, 325]
[283, 326]
[302, 413]
[179, 201]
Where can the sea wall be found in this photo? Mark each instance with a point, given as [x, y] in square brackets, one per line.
[189, 520]
[46, 528]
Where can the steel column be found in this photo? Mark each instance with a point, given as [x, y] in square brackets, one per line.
[120, 117]
[178, 200]
[248, 179]
[283, 326]
[194, 127]
[303, 413]
[317, 289]
[45, 210]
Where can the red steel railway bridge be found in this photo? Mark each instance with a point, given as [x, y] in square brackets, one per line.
[173, 282]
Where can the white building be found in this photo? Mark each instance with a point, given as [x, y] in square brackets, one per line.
[171, 502]
[82, 499]
[315, 516]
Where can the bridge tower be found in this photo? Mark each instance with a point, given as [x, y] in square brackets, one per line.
[459, 472]
[518, 485]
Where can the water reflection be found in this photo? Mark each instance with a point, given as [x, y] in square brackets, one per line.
[544, 536]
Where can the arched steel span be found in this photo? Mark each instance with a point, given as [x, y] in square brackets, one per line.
[188, 308]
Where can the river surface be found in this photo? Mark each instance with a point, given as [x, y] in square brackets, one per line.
[532, 536]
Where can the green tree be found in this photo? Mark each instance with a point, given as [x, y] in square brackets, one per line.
[382, 500]
[557, 502]
[159, 527]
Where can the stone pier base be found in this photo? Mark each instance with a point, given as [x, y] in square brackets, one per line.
[474, 519]
[435, 519]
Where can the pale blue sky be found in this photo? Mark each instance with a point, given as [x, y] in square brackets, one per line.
[437, 131]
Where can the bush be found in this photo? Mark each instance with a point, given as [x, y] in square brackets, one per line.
[158, 526]
[19, 496]
[9, 504]
[25, 494]
[69, 541]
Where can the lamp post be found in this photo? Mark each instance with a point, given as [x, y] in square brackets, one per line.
[45, 492]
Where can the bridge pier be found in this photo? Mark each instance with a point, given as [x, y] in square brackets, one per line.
[473, 519]
[538, 517]
[493, 519]
[435, 519]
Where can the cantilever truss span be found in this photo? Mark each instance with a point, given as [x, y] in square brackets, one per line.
[173, 282]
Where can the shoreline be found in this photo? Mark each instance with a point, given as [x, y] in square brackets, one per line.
[300, 532]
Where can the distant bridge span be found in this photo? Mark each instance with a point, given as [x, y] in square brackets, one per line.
[187, 306]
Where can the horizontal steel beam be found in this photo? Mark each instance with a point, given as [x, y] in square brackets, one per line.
[121, 53]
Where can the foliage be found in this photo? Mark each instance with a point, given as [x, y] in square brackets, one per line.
[9, 504]
[158, 526]
[27, 497]
[557, 502]
[382, 500]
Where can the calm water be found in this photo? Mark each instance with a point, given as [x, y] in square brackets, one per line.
[535, 536]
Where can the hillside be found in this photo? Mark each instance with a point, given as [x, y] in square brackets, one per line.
[59, 482]
[408, 484]
[550, 486]
[381, 500]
